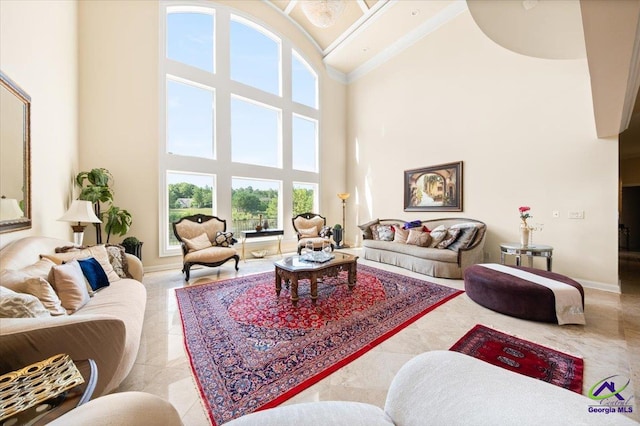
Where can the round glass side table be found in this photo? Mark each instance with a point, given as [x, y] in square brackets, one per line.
[530, 251]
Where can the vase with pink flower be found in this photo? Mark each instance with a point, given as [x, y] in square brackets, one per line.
[525, 229]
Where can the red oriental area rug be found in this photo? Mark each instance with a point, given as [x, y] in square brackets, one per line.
[522, 356]
[251, 350]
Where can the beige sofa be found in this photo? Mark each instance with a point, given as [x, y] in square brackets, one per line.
[107, 329]
[448, 388]
[125, 408]
[436, 262]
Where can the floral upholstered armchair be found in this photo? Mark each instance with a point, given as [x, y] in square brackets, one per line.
[312, 227]
[204, 241]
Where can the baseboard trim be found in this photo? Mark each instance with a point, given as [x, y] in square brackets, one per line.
[596, 285]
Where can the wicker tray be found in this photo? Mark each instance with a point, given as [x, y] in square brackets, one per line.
[36, 383]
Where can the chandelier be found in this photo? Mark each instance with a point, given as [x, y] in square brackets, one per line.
[322, 13]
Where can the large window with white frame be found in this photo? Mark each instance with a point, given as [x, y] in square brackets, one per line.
[240, 115]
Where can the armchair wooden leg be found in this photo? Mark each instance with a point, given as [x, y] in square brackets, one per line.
[187, 271]
[237, 258]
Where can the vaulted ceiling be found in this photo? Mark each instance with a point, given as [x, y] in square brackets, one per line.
[368, 32]
[367, 29]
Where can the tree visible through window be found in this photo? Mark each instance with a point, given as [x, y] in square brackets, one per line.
[252, 199]
[188, 194]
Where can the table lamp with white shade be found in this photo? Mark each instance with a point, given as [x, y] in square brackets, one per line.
[80, 211]
[10, 209]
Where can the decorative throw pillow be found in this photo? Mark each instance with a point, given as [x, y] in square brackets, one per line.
[326, 232]
[39, 269]
[466, 237]
[412, 224]
[68, 281]
[452, 235]
[308, 232]
[40, 288]
[99, 252]
[366, 229]
[118, 259]
[200, 242]
[94, 273]
[401, 235]
[20, 305]
[437, 235]
[417, 237]
[382, 232]
[15, 279]
[224, 239]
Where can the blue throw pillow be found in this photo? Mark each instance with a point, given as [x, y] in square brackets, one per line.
[94, 273]
[412, 224]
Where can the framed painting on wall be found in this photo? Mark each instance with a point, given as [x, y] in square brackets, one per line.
[435, 188]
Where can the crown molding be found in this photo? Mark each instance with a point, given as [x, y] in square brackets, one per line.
[429, 26]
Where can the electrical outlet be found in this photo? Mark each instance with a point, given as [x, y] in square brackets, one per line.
[555, 213]
[577, 214]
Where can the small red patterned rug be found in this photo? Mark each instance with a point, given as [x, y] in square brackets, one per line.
[251, 350]
[523, 357]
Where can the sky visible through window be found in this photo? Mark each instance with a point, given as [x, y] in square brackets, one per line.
[255, 58]
[190, 39]
[255, 61]
[190, 118]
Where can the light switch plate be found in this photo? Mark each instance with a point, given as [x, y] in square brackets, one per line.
[576, 214]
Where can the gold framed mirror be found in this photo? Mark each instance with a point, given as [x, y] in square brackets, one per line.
[15, 161]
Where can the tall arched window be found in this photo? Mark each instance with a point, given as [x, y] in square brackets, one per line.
[240, 122]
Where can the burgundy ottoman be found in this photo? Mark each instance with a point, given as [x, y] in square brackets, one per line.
[493, 286]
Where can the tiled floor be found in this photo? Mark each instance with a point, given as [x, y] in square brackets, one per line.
[609, 343]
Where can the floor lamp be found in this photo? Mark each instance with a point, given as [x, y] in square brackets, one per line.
[343, 196]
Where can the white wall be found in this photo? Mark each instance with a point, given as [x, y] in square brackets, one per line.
[119, 115]
[523, 127]
[38, 51]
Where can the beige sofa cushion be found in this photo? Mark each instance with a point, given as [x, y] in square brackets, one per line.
[438, 235]
[417, 237]
[15, 279]
[210, 255]
[428, 253]
[400, 235]
[308, 232]
[123, 408]
[21, 282]
[41, 288]
[99, 252]
[20, 305]
[68, 281]
[198, 243]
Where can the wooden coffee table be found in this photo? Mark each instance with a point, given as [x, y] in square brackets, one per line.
[291, 269]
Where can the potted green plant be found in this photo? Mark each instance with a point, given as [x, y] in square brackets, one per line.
[133, 246]
[96, 187]
[337, 234]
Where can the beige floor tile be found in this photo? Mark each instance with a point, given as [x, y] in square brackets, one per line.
[609, 343]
